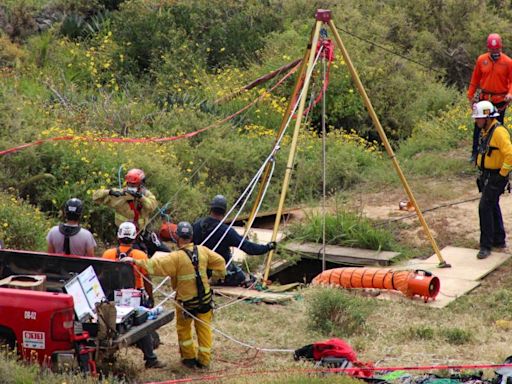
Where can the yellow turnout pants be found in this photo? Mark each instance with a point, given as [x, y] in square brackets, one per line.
[204, 336]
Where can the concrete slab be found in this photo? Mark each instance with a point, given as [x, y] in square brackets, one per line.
[464, 263]
[343, 255]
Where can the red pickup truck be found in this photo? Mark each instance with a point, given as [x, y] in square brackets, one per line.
[42, 325]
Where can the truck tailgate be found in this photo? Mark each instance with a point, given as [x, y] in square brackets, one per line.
[139, 331]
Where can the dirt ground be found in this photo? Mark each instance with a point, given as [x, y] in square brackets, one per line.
[398, 333]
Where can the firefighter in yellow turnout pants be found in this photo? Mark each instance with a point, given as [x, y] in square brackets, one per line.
[187, 269]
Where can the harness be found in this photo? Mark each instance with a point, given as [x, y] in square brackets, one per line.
[485, 149]
[120, 255]
[68, 231]
[136, 208]
[203, 302]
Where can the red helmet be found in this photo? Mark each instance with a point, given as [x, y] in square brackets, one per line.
[168, 231]
[135, 176]
[494, 41]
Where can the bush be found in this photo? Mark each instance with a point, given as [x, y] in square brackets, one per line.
[420, 332]
[334, 312]
[343, 228]
[21, 225]
[457, 336]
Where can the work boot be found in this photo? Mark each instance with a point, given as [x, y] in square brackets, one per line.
[202, 366]
[483, 253]
[155, 364]
[500, 246]
[189, 363]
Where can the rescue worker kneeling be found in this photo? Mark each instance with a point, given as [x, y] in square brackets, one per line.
[187, 269]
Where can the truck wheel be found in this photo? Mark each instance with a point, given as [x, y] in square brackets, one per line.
[7, 339]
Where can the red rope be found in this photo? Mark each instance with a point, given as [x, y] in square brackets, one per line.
[331, 370]
[149, 139]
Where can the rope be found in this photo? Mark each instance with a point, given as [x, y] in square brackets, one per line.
[231, 338]
[260, 171]
[354, 370]
[428, 210]
[324, 165]
[390, 51]
[149, 139]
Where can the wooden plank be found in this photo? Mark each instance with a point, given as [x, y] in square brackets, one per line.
[265, 296]
[451, 289]
[283, 288]
[464, 263]
[342, 255]
[279, 266]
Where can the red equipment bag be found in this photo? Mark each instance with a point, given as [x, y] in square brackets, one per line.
[333, 348]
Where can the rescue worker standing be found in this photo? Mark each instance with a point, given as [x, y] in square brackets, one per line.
[495, 162]
[126, 235]
[187, 269]
[224, 238]
[69, 238]
[492, 75]
[134, 203]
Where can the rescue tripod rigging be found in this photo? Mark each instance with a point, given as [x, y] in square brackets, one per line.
[264, 173]
[323, 17]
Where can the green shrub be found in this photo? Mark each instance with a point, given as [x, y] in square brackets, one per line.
[335, 312]
[456, 336]
[343, 228]
[420, 332]
[21, 225]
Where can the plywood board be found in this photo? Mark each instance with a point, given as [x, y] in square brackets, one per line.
[267, 297]
[463, 261]
[342, 255]
[256, 235]
[451, 289]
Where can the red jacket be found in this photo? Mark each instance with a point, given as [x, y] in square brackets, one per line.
[493, 78]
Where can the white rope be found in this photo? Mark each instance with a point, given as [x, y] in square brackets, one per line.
[236, 341]
[257, 210]
[260, 171]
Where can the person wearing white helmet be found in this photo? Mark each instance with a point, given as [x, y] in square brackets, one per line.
[127, 234]
[492, 81]
[494, 160]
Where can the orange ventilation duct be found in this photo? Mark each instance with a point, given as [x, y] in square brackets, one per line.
[410, 283]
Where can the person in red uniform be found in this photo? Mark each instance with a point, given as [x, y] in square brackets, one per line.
[492, 76]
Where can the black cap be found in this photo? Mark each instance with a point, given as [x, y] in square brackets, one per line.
[184, 230]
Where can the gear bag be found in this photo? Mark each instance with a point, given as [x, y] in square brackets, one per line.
[203, 302]
[68, 231]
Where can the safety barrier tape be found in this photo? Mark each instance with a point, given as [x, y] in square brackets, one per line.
[150, 139]
[212, 377]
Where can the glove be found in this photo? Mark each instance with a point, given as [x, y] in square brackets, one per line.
[115, 193]
[271, 245]
[137, 194]
[127, 260]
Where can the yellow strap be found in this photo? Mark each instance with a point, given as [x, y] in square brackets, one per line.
[186, 343]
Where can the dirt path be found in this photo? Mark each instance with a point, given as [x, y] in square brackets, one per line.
[456, 224]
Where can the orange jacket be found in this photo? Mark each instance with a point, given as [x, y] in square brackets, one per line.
[111, 254]
[493, 78]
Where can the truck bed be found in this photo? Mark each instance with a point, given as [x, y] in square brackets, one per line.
[61, 268]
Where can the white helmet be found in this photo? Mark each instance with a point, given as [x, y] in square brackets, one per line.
[127, 230]
[484, 109]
